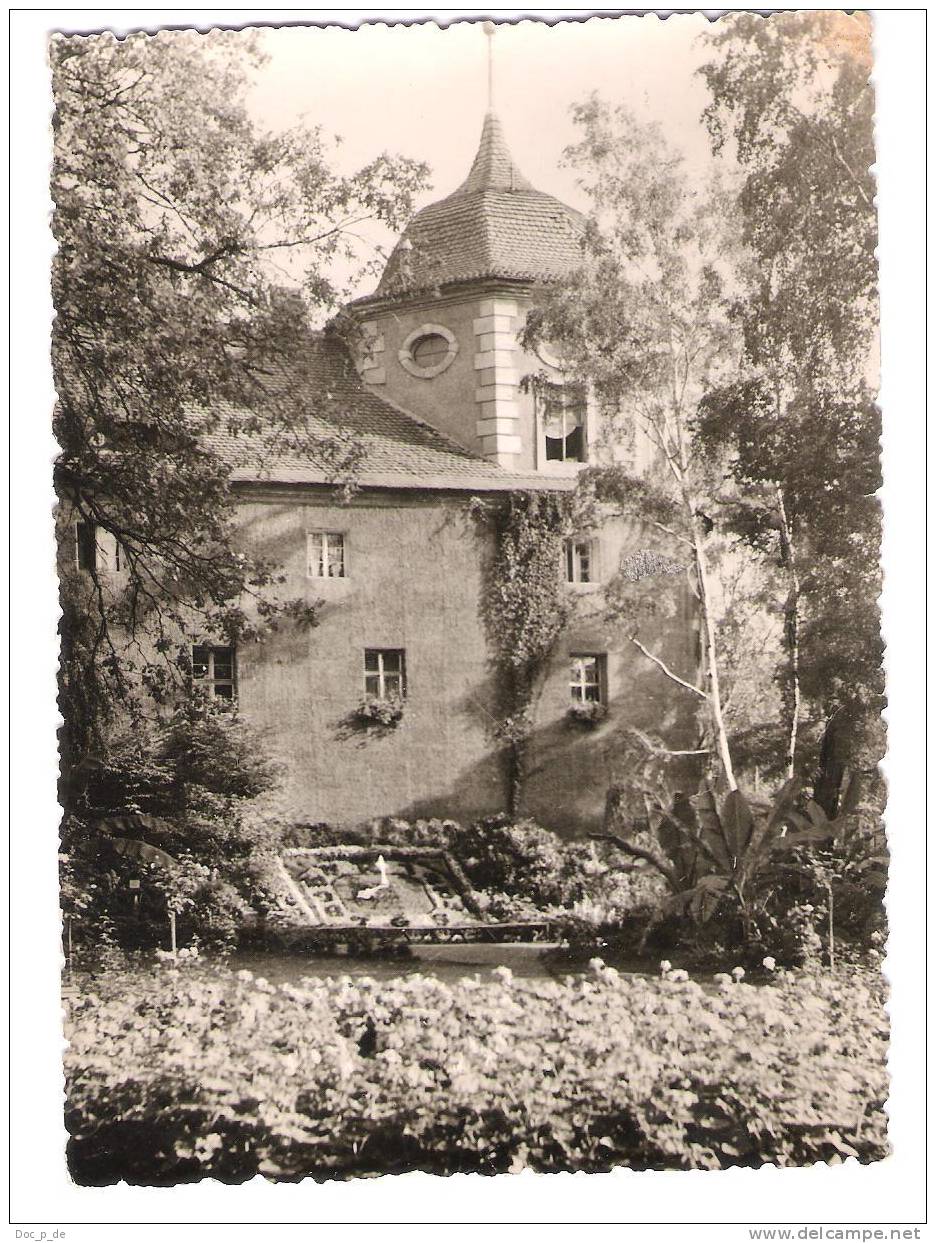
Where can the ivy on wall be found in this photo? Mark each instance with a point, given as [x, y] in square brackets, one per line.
[524, 608]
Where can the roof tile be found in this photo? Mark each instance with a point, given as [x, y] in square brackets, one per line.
[494, 225]
[328, 401]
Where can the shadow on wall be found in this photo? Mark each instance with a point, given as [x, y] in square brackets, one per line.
[570, 772]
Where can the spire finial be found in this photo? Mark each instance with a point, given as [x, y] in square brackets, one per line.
[489, 29]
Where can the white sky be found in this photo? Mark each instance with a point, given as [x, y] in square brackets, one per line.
[421, 91]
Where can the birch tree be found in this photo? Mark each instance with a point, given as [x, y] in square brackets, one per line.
[645, 324]
[792, 103]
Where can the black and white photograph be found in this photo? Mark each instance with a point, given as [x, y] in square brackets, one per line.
[471, 687]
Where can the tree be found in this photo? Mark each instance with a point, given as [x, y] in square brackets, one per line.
[195, 795]
[174, 335]
[644, 323]
[792, 102]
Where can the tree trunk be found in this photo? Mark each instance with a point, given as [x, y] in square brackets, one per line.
[711, 654]
[515, 776]
[834, 755]
[793, 696]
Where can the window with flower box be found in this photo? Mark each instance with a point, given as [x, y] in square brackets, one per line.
[587, 679]
[384, 673]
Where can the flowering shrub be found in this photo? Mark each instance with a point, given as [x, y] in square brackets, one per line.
[176, 1075]
[587, 714]
[385, 712]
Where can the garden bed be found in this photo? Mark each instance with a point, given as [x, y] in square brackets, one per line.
[187, 1072]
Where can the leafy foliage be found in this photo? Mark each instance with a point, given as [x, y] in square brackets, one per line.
[791, 99]
[524, 608]
[587, 714]
[172, 332]
[197, 787]
[644, 323]
[725, 854]
[768, 873]
[180, 1075]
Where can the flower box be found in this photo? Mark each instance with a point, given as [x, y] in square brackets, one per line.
[587, 714]
[385, 712]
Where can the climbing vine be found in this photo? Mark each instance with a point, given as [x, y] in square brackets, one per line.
[524, 608]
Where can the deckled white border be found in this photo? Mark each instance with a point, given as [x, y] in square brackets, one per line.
[42, 1196]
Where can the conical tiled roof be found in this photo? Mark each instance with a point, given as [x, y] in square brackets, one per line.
[494, 225]
[493, 167]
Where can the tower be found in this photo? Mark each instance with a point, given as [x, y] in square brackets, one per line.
[440, 334]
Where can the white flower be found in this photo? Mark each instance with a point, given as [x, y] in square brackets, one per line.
[723, 978]
[665, 966]
[678, 977]
[738, 973]
[183, 953]
[770, 963]
[246, 976]
[504, 974]
[206, 1146]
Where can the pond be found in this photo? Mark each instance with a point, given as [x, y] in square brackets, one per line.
[449, 963]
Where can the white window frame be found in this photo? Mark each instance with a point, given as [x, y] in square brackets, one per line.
[209, 678]
[383, 674]
[580, 682]
[328, 538]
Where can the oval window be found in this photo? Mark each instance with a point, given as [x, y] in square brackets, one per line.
[428, 351]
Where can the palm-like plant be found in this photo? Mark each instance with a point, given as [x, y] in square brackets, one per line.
[712, 854]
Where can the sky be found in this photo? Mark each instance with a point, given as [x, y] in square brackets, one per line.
[421, 91]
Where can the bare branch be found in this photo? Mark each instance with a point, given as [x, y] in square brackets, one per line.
[640, 852]
[665, 668]
[654, 749]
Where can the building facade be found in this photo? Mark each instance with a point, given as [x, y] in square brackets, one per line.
[434, 394]
[429, 387]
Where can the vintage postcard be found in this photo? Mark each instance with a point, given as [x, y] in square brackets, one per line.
[471, 673]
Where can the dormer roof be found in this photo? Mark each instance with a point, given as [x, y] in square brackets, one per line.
[495, 225]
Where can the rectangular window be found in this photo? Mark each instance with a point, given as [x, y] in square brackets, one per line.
[564, 408]
[214, 668]
[86, 546]
[95, 548]
[579, 561]
[326, 554]
[384, 673]
[587, 680]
